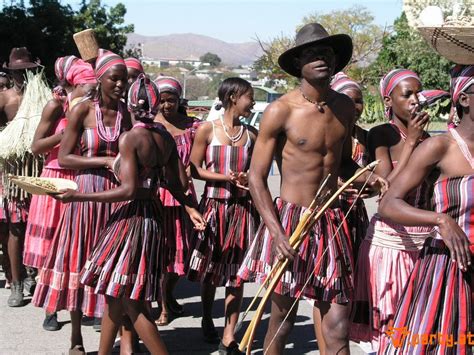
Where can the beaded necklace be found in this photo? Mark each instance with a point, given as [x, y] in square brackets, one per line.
[234, 138]
[99, 119]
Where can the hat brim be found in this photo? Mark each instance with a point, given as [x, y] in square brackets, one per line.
[26, 65]
[341, 44]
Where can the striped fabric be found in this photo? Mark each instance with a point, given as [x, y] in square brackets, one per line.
[44, 215]
[462, 77]
[51, 161]
[13, 211]
[218, 252]
[391, 80]
[134, 63]
[223, 159]
[176, 224]
[169, 84]
[62, 66]
[341, 82]
[106, 60]
[152, 93]
[330, 274]
[81, 73]
[77, 233]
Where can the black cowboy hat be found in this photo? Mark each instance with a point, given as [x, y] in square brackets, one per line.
[20, 58]
[313, 34]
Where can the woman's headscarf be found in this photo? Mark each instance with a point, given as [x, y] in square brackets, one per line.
[135, 64]
[135, 104]
[106, 60]
[391, 80]
[169, 84]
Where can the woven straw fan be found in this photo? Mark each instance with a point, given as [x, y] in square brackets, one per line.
[41, 185]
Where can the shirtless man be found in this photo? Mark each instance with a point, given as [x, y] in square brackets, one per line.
[13, 214]
[308, 130]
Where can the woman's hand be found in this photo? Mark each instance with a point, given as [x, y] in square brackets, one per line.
[197, 218]
[239, 179]
[66, 196]
[416, 126]
[456, 240]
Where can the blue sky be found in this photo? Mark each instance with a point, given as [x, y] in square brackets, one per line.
[238, 21]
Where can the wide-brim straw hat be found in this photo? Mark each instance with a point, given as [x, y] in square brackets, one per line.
[313, 34]
[20, 58]
[41, 185]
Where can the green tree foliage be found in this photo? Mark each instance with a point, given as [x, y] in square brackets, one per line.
[405, 48]
[213, 59]
[46, 27]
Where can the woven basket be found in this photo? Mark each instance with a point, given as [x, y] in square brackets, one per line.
[453, 43]
[34, 185]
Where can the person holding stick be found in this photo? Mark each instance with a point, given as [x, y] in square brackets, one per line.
[309, 132]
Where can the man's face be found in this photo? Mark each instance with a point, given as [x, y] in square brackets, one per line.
[317, 62]
[18, 76]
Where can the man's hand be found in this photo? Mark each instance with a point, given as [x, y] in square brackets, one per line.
[282, 248]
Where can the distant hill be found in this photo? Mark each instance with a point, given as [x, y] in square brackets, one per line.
[192, 46]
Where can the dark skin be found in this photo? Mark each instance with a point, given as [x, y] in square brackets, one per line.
[10, 101]
[132, 75]
[308, 146]
[239, 106]
[176, 124]
[384, 142]
[442, 155]
[140, 148]
[4, 83]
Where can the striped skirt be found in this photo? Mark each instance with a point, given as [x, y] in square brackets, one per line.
[382, 271]
[177, 229]
[358, 221]
[43, 219]
[13, 211]
[324, 258]
[78, 230]
[219, 251]
[435, 312]
[127, 260]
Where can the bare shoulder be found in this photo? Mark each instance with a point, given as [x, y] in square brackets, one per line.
[204, 129]
[436, 145]
[276, 114]
[81, 109]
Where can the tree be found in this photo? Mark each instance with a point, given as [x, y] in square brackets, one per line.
[213, 59]
[356, 21]
[405, 48]
[46, 28]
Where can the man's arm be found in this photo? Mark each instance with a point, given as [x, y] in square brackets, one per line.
[271, 126]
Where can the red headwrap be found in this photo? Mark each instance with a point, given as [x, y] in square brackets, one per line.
[134, 103]
[62, 66]
[169, 84]
[105, 61]
[134, 63]
[81, 73]
[462, 77]
[341, 82]
[392, 79]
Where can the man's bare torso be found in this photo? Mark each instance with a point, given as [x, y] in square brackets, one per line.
[310, 146]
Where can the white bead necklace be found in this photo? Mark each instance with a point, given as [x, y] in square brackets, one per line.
[235, 138]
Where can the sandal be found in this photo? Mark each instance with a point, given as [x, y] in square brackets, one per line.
[210, 334]
[163, 320]
[77, 350]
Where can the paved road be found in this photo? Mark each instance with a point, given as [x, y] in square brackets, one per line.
[21, 331]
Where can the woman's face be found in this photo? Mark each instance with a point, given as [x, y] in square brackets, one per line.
[404, 98]
[356, 96]
[132, 75]
[169, 104]
[114, 82]
[244, 103]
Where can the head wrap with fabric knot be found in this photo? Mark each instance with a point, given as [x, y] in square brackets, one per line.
[62, 65]
[341, 82]
[391, 80]
[81, 73]
[462, 77]
[134, 63]
[136, 103]
[169, 84]
[106, 60]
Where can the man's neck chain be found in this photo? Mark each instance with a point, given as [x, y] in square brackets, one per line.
[319, 104]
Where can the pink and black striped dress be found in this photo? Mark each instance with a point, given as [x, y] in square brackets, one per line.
[176, 224]
[438, 298]
[387, 256]
[231, 216]
[128, 258]
[77, 233]
[45, 211]
[357, 219]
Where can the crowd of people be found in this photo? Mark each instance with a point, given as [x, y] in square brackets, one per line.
[135, 224]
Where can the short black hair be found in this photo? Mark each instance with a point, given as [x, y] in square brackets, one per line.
[232, 86]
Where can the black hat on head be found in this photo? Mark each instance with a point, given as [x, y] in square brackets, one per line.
[20, 58]
[313, 34]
